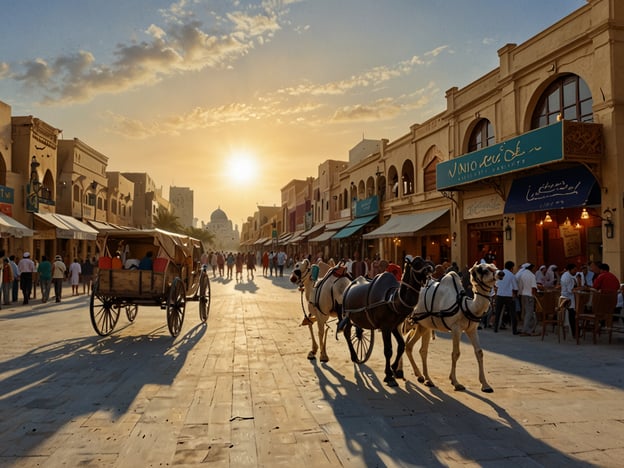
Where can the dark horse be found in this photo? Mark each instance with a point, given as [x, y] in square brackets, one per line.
[383, 303]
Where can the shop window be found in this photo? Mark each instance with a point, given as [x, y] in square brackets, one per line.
[407, 178]
[429, 175]
[482, 136]
[568, 98]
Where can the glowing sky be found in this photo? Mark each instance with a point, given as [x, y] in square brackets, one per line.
[236, 98]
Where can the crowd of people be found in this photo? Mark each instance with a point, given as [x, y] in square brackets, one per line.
[27, 274]
[515, 297]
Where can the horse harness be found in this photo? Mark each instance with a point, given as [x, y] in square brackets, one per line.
[364, 295]
[460, 304]
[339, 271]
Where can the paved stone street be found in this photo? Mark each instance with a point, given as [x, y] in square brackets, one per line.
[239, 392]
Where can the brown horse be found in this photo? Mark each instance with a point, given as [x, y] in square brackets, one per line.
[383, 303]
[444, 306]
[324, 298]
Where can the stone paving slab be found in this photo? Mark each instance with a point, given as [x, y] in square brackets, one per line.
[239, 391]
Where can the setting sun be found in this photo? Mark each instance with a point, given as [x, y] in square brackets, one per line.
[241, 166]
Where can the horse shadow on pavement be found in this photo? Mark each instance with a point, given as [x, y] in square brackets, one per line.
[62, 382]
[422, 426]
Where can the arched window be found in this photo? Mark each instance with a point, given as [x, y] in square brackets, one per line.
[76, 191]
[407, 178]
[482, 136]
[568, 97]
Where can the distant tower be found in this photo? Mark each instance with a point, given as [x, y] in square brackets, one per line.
[182, 200]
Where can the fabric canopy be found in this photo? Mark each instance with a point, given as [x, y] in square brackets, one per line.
[323, 237]
[313, 230]
[564, 188]
[13, 228]
[68, 227]
[405, 225]
[354, 226]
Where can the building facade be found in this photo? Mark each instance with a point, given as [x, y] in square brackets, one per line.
[181, 199]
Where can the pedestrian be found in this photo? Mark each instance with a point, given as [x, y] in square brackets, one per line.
[213, 264]
[7, 281]
[87, 274]
[506, 292]
[221, 263]
[45, 277]
[26, 269]
[281, 261]
[251, 265]
[16, 278]
[74, 276]
[239, 260]
[58, 276]
[272, 262]
[230, 261]
[527, 288]
[569, 285]
[265, 263]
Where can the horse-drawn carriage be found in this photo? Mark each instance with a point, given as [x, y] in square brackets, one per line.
[176, 276]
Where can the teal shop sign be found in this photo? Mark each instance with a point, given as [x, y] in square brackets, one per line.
[7, 195]
[368, 206]
[537, 147]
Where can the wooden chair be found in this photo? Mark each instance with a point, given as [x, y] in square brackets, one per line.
[599, 318]
[551, 313]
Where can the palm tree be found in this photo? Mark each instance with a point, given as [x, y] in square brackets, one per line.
[167, 220]
[206, 237]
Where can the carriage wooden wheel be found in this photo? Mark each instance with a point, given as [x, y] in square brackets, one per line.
[104, 312]
[204, 295]
[176, 305]
[361, 341]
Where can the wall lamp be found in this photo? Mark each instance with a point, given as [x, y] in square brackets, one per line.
[454, 236]
[508, 227]
[608, 222]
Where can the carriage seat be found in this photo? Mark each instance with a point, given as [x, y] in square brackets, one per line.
[365, 294]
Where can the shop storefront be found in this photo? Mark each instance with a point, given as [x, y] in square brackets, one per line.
[535, 197]
[425, 233]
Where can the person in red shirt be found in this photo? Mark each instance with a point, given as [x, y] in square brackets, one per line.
[606, 281]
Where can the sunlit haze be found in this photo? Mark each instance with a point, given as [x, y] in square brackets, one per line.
[236, 98]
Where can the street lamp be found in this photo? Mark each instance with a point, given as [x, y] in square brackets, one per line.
[397, 242]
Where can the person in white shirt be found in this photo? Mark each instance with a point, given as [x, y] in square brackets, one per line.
[568, 285]
[506, 291]
[527, 287]
[26, 269]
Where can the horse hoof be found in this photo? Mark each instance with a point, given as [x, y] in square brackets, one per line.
[421, 380]
[429, 383]
[487, 390]
[324, 359]
[399, 374]
[391, 382]
[459, 388]
[311, 357]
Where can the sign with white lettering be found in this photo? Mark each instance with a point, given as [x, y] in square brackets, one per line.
[531, 149]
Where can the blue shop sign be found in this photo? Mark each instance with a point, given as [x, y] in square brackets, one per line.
[7, 195]
[368, 206]
[537, 147]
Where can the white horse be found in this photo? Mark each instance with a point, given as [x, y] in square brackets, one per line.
[444, 306]
[324, 298]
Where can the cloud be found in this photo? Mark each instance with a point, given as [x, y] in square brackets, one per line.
[437, 51]
[183, 44]
[385, 108]
[5, 70]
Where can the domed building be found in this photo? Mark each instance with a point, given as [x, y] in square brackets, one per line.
[226, 236]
